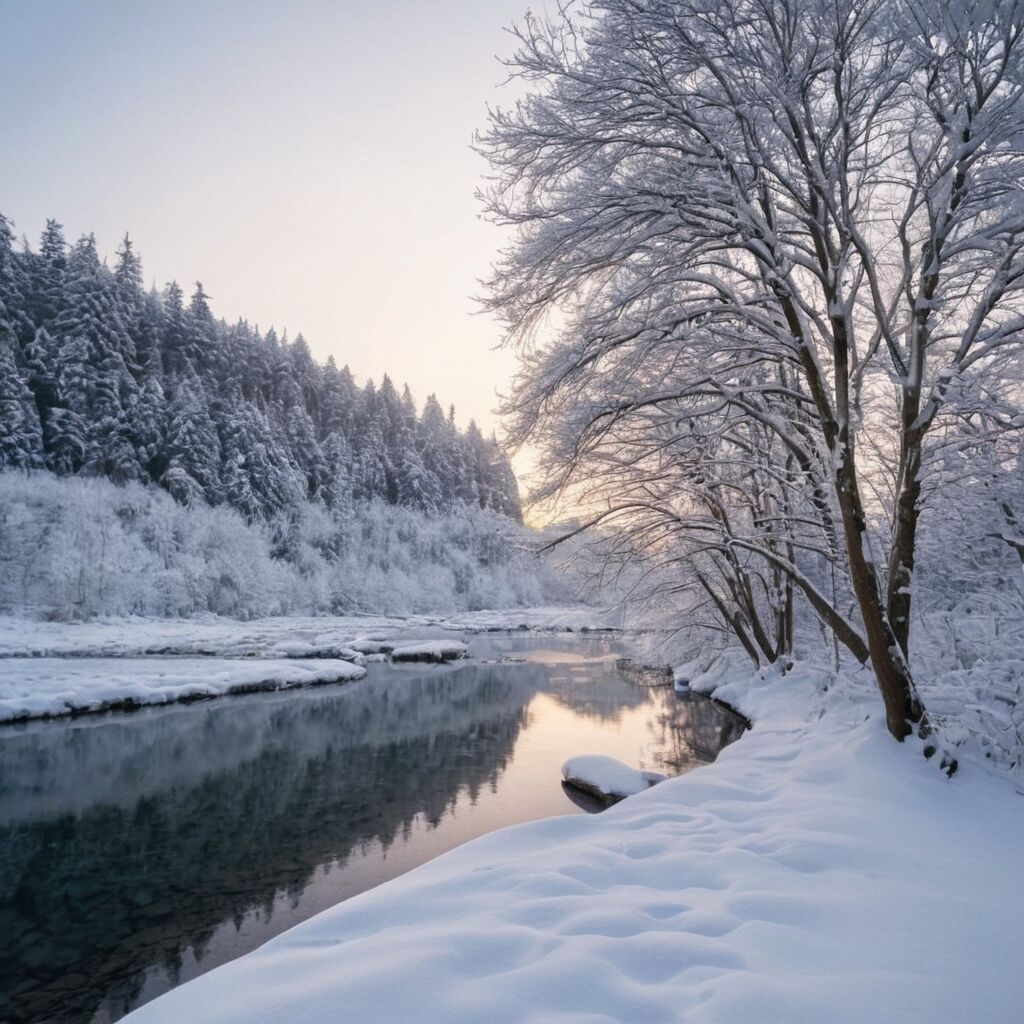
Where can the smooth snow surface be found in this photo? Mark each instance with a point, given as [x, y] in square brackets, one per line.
[229, 637]
[607, 776]
[43, 687]
[817, 872]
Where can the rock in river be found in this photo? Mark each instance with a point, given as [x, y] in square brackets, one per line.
[607, 779]
[430, 650]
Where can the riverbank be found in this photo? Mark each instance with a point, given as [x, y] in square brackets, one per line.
[52, 669]
[817, 871]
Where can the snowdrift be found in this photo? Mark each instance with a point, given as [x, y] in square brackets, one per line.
[818, 871]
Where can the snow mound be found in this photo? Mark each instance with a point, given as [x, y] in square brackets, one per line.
[301, 649]
[48, 687]
[606, 777]
[430, 650]
[368, 646]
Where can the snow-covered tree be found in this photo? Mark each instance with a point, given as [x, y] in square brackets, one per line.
[106, 379]
[833, 183]
[21, 437]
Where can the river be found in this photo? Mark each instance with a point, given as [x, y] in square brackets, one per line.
[140, 850]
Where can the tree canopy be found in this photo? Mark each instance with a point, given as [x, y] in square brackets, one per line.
[766, 274]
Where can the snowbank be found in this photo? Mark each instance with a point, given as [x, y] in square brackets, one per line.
[312, 636]
[47, 687]
[607, 778]
[430, 650]
[49, 668]
[818, 871]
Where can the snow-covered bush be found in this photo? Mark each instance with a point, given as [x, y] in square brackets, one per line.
[75, 548]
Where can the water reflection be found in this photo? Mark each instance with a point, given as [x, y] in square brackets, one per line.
[138, 851]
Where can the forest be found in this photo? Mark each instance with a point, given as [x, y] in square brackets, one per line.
[788, 373]
[100, 377]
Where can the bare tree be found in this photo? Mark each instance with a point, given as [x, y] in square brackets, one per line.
[835, 182]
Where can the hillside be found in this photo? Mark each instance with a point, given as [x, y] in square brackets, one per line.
[99, 377]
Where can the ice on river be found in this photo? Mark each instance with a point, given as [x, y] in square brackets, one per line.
[284, 636]
[430, 650]
[44, 687]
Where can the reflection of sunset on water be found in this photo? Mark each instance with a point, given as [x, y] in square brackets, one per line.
[183, 837]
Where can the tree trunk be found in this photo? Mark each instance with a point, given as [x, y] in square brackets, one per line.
[904, 541]
[903, 708]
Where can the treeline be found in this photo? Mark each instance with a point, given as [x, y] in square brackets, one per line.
[102, 378]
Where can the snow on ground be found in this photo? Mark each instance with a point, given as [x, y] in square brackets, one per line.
[41, 687]
[229, 637]
[818, 871]
[50, 668]
[607, 777]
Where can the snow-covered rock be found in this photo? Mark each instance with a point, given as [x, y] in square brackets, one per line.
[368, 646]
[682, 674]
[306, 649]
[48, 687]
[430, 650]
[606, 778]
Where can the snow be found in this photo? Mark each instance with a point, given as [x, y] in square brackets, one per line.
[45, 687]
[310, 635]
[818, 871]
[371, 647]
[607, 777]
[49, 668]
[430, 650]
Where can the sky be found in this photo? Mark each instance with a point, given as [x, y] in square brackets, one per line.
[309, 161]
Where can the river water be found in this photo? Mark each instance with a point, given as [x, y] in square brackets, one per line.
[140, 850]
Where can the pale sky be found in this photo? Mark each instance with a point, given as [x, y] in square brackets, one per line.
[308, 161]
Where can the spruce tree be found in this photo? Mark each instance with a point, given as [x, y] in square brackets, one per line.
[21, 437]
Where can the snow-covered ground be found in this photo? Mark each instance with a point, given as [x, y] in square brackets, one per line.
[818, 871]
[270, 637]
[47, 687]
[49, 669]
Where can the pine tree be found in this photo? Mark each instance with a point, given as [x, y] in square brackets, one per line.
[96, 385]
[339, 459]
[200, 345]
[46, 276]
[173, 331]
[148, 421]
[13, 284]
[436, 455]
[370, 470]
[132, 305]
[21, 437]
[193, 448]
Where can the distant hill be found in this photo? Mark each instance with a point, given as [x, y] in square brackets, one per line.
[99, 377]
